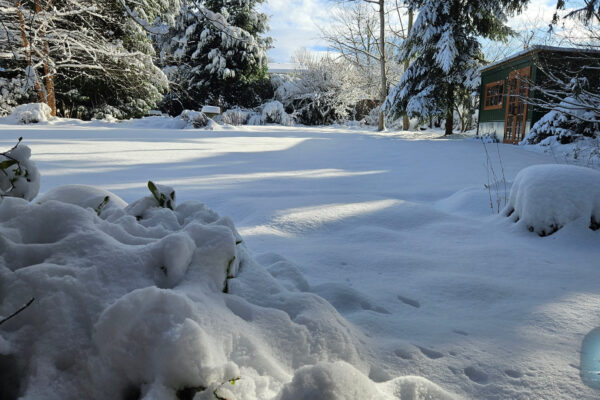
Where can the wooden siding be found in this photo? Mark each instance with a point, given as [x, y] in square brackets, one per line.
[501, 72]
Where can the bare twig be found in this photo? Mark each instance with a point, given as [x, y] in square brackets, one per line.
[18, 311]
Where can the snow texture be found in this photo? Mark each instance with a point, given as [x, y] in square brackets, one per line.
[130, 300]
[30, 113]
[394, 230]
[545, 198]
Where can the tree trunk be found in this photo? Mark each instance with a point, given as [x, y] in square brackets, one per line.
[449, 110]
[48, 74]
[38, 87]
[49, 79]
[405, 121]
[382, 63]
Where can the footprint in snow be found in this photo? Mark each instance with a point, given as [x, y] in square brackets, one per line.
[347, 300]
[404, 353]
[476, 375]
[409, 301]
[429, 353]
[513, 373]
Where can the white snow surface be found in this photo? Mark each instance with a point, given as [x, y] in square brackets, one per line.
[370, 266]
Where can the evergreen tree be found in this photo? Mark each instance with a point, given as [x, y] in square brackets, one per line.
[445, 52]
[216, 54]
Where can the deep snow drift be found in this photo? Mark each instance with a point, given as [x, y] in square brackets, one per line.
[395, 231]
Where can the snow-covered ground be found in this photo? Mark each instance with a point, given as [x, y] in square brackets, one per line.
[394, 230]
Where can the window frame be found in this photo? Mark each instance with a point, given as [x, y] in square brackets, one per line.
[501, 95]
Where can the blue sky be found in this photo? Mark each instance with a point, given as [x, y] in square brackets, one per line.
[294, 23]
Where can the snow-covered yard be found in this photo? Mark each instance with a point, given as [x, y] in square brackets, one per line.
[394, 230]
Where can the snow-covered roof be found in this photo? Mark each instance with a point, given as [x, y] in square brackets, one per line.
[535, 49]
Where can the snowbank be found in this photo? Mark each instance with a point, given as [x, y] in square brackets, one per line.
[144, 301]
[29, 114]
[544, 198]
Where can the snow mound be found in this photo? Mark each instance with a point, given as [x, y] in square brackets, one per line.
[161, 301]
[30, 113]
[544, 198]
[341, 381]
[83, 196]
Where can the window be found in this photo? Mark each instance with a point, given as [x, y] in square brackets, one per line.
[493, 95]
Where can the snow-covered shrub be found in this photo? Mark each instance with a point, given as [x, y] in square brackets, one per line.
[565, 124]
[544, 198]
[372, 118]
[13, 91]
[195, 119]
[234, 116]
[126, 306]
[107, 112]
[99, 200]
[322, 91]
[30, 113]
[161, 196]
[271, 113]
[19, 177]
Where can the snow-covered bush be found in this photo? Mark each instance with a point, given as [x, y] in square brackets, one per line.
[545, 198]
[19, 177]
[136, 309]
[322, 91]
[234, 116]
[130, 300]
[13, 91]
[271, 113]
[30, 113]
[195, 119]
[565, 124]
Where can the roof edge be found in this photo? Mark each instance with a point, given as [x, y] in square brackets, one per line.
[535, 49]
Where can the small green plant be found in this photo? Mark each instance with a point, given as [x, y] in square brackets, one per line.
[101, 206]
[12, 174]
[163, 200]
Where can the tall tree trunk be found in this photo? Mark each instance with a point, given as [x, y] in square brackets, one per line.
[405, 121]
[36, 84]
[383, 94]
[449, 110]
[48, 74]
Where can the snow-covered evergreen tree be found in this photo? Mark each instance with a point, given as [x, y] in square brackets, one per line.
[445, 52]
[216, 54]
[575, 117]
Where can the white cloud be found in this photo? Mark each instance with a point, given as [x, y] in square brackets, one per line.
[294, 24]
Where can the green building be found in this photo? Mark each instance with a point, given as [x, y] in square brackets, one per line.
[510, 87]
